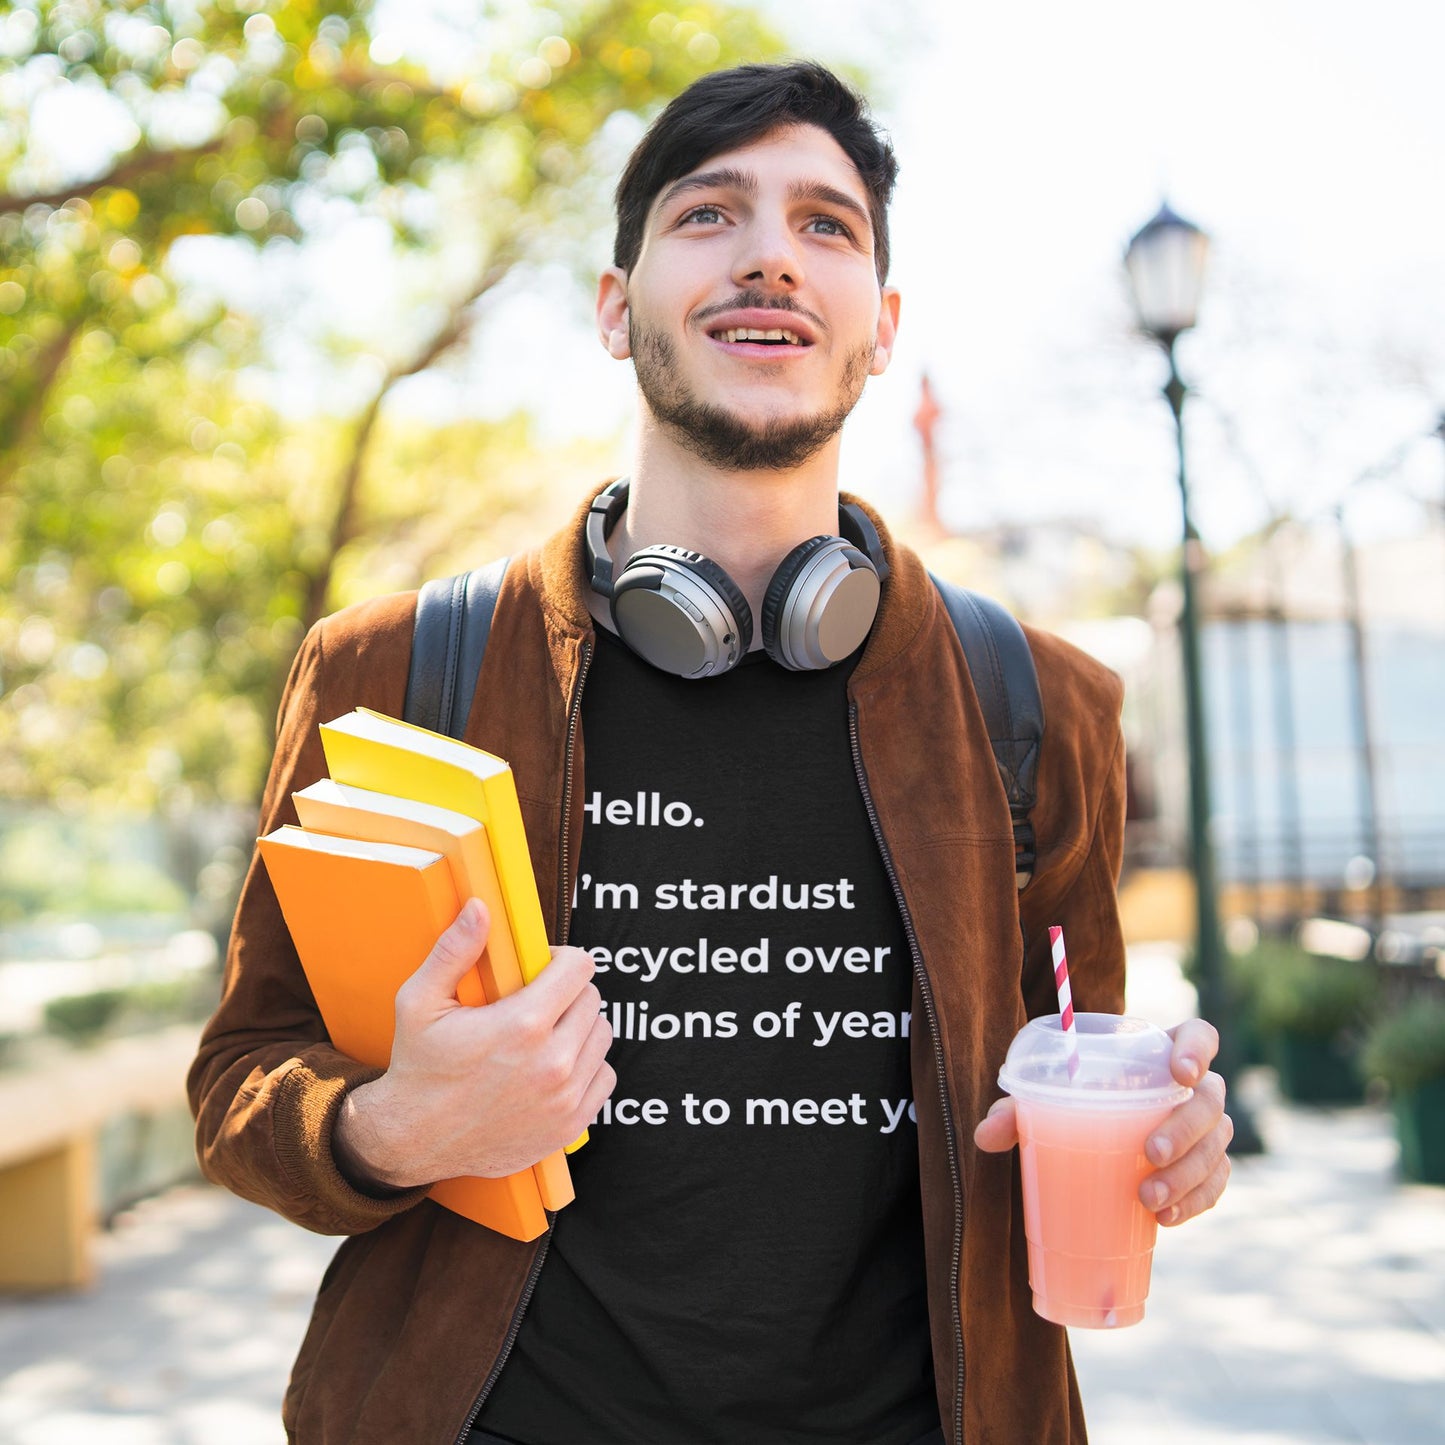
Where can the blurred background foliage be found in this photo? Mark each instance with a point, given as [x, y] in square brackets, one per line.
[168, 526]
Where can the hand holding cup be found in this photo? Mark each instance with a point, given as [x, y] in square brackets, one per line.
[1087, 1099]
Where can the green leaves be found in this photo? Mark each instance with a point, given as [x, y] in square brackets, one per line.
[166, 529]
[1406, 1048]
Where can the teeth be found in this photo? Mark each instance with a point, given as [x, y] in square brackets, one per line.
[748, 333]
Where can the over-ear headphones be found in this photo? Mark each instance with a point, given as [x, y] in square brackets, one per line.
[684, 614]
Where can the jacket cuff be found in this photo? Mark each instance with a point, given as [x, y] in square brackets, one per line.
[306, 1109]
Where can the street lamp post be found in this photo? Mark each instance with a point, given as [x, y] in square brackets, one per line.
[1364, 739]
[1440, 432]
[1165, 261]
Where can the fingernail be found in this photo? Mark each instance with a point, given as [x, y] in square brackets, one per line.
[1155, 1194]
[1191, 1069]
[1170, 1215]
[1160, 1149]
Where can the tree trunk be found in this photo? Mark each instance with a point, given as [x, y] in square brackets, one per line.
[19, 420]
[345, 524]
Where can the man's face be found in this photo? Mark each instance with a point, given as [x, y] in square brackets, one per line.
[753, 314]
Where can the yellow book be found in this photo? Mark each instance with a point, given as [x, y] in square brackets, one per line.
[369, 750]
[338, 808]
[363, 916]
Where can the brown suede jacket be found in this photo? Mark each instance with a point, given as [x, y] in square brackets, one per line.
[417, 1312]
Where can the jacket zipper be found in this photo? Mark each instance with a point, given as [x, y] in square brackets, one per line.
[511, 1338]
[564, 914]
[925, 988]
[574, 716]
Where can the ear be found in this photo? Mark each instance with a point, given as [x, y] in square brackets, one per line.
[887, 330]
[612, 312]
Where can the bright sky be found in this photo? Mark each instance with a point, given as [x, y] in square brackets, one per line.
[1307, 139]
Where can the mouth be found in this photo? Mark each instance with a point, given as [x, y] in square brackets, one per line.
[760, 331]
[775, 336]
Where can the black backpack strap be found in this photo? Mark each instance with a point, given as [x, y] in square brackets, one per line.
[1007, 683]
[453, 618]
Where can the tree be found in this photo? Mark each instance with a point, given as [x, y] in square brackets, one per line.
[161, 555]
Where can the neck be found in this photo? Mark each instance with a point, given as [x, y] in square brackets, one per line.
[745, 521]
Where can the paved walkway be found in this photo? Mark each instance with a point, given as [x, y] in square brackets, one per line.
[1309, 1307]
[186, 1339]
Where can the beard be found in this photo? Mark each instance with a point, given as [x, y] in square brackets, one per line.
[733, 443]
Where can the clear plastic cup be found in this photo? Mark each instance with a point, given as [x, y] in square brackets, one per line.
[1081, 1144]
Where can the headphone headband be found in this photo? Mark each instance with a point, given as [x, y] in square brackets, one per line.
[603, 515]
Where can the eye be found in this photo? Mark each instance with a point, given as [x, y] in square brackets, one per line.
[830, 226]
[706, 215]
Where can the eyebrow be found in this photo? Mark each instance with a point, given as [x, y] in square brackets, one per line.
[729, 178]
[830, 196]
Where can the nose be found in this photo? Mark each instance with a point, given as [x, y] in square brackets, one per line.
[767, 255]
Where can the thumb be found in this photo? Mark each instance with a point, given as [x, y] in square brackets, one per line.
[998, 1129]
[456, 951]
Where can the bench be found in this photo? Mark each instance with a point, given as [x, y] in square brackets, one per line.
[50, 1118]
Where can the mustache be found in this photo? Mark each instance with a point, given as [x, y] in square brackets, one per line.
[753, 300]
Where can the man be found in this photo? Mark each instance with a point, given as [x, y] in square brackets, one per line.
[792, 870]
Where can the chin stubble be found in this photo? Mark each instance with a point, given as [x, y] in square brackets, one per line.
[730, 442]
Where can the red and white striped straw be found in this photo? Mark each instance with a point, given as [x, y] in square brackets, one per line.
[1066, 1000]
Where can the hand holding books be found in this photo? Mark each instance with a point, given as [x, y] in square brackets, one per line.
[479, 1091]
[409, 826]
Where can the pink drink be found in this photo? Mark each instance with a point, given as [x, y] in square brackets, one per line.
[1082, 1138]
[1090, 1240]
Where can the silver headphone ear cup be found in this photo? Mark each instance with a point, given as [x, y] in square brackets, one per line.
[780, 587]
[681, 612]
[820, 604]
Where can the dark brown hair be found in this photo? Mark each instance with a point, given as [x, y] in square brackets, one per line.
[732, 108]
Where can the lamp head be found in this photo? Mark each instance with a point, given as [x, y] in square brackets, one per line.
[1165, 260]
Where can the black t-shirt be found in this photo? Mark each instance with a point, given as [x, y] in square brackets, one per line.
[744, 1258]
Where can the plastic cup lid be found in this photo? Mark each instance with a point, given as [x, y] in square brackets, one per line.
[1123, 1063]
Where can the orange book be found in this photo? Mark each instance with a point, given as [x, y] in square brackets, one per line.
[363, 916]
[331, 807]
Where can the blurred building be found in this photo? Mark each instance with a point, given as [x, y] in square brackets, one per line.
[1325, 700]
[1324, 690]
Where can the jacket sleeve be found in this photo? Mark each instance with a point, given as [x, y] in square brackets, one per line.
[1080, 826]
[266, 1085]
